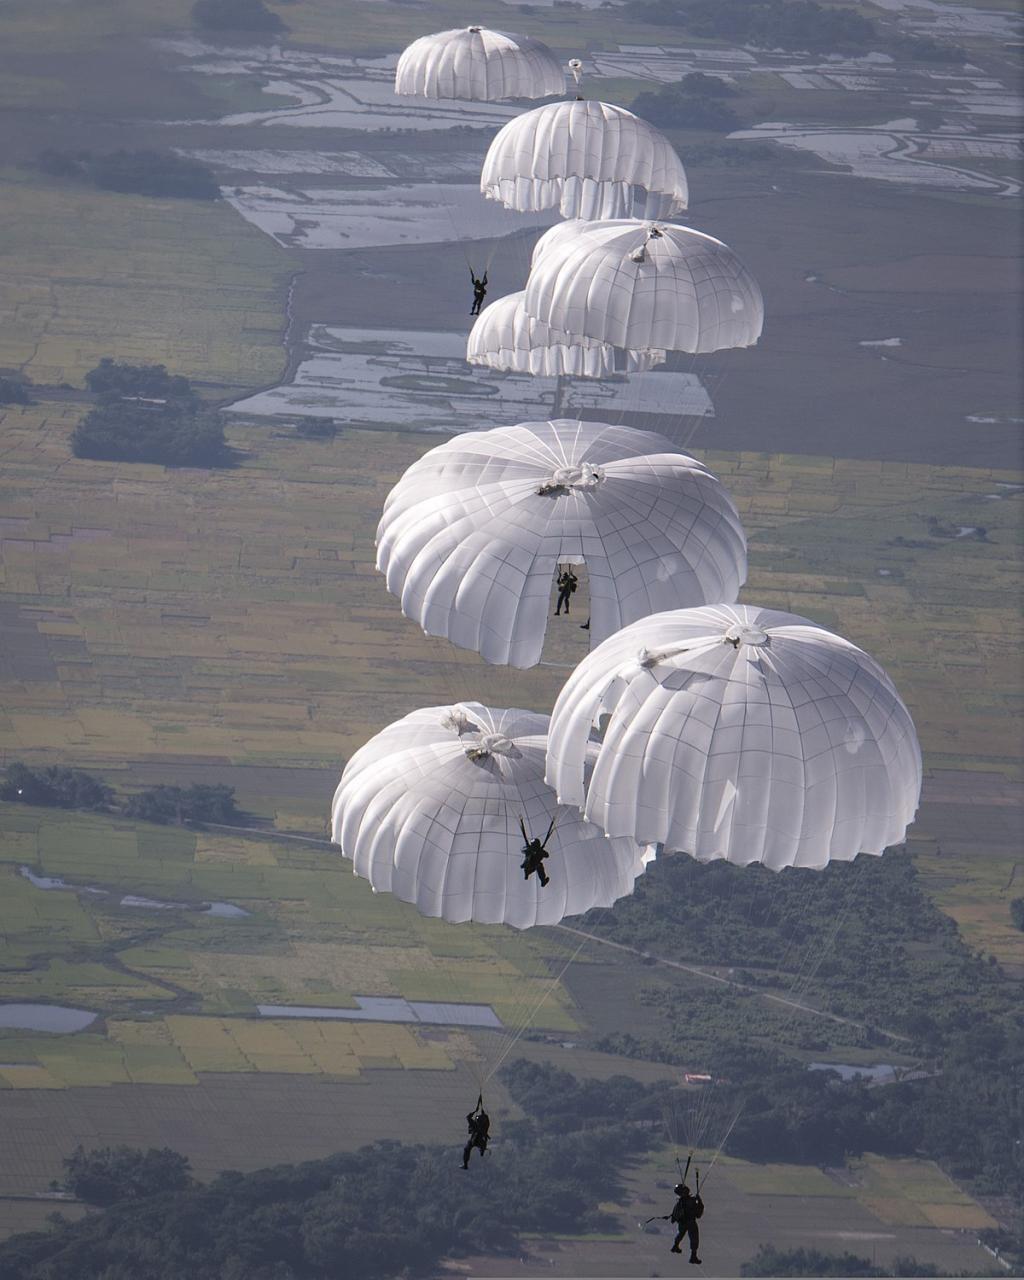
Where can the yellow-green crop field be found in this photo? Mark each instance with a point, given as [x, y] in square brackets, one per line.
[163, 618]
[184, 283]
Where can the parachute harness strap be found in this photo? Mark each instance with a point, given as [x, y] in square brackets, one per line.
[564, 479]
[639, 255]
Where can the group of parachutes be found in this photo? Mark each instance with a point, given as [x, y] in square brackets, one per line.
[696, 724]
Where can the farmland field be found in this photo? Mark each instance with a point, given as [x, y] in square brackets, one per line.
[177, 626]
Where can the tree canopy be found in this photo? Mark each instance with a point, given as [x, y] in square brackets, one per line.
[54, 787]
[236, 15]
[145, 172]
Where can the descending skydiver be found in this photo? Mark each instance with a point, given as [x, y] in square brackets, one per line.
[534, 854]
[687, 1209]
[479, 1123]
[567, 584]
[479, 292]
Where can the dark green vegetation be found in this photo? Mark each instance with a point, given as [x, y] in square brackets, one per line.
[54, 787]
[108, 1175]
[145, 414]
[144, 173]
[236, 15]
[175, 433]
[864, 942]
[696, 102]
[57, 787]
[387, 1210]
[14, 391]
[194, 804]
[801, 25]
[769, 1261]
[316, 428]
[1017, 912]
[114, 377]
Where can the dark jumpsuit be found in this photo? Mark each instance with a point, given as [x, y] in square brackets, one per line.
[687, 1210]
[567, 584]
[479, 1131]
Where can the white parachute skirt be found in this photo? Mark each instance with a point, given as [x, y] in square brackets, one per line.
[479, 65]
[739, 733]
[587, 159]
[644, 286]
[505, 337]
[429, 811]
[472, 535]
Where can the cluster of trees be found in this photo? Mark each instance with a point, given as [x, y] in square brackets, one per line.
[148, 381]
[769, 1261]
[174, 434]
[863, 940]
[141, 173]
[14, 391]
[311, 428]
[236, 15]
[109, 1175]
[145, 414]
[54, 787]
[695, 102]
[195, 804]
[1017, 912]
[57, 787]
[799, 25]
[387, 1210]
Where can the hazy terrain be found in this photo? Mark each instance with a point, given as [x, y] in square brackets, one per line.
[179, 625]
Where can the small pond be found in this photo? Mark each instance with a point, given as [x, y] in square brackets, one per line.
[226, 910]
[44, 1017]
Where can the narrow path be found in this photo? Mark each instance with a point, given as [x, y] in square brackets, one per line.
[266, 833]
[731, 982]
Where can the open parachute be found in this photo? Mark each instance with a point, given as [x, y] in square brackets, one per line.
[739, 733]
[473, 533]
[588, 159]
[505, 337]
[643, 286]
[430, 808]
[480, 65]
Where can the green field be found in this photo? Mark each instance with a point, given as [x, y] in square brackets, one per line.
[178, 282]
[187, 626]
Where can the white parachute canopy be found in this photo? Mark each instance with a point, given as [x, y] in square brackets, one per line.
[480, 65]
[643, 286]
[473, 533]
[739, 733]
[588, 159]
[505, 337]
[429, 810]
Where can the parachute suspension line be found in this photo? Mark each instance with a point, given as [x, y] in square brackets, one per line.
[718, 1152]
[535, 1010]
[556, 403]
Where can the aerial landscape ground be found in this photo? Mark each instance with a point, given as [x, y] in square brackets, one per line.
[180, 625]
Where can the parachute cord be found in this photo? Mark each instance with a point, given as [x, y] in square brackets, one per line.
[714, 1159]
[536, 1008]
